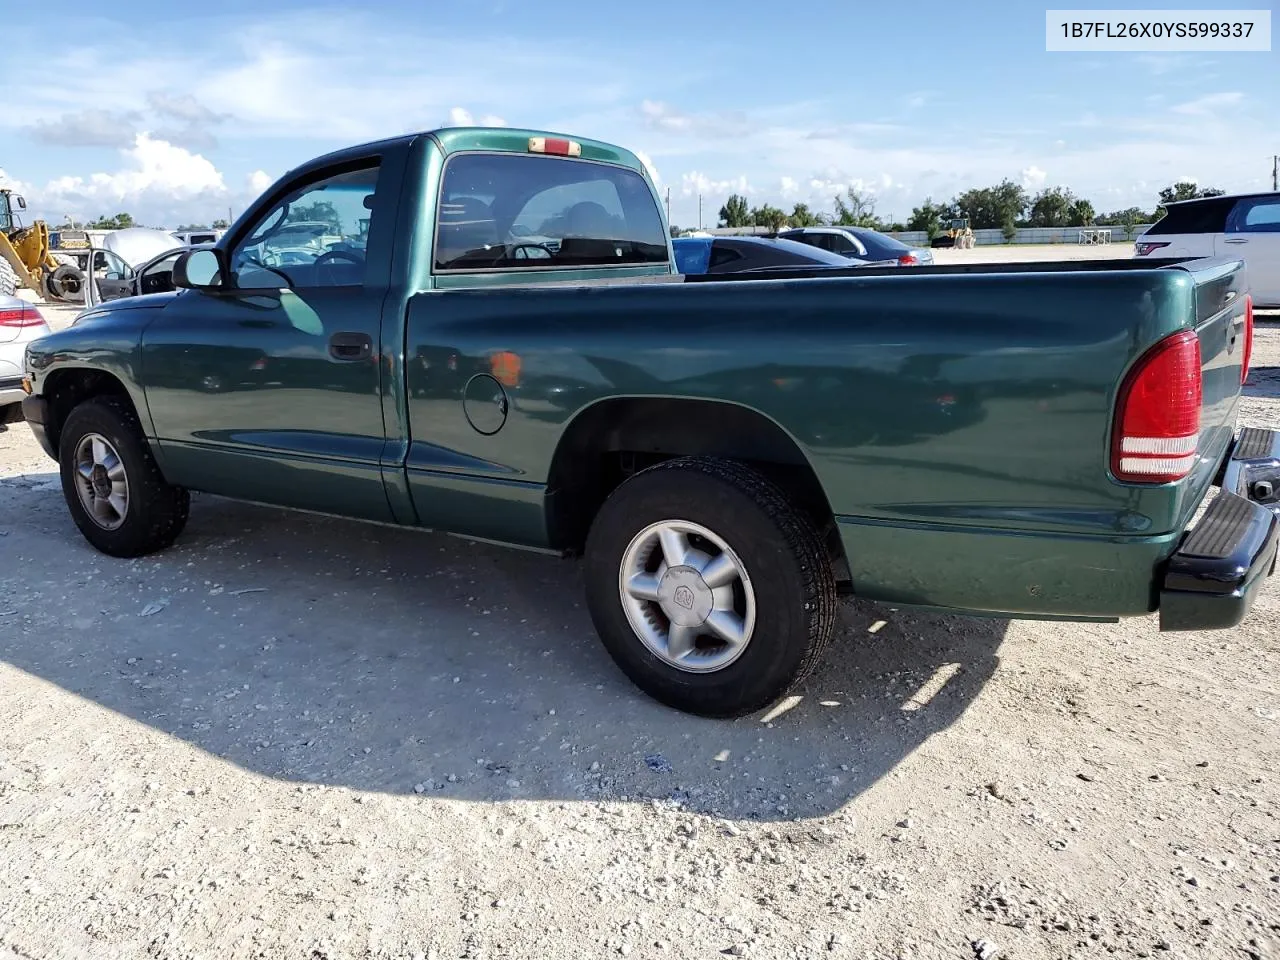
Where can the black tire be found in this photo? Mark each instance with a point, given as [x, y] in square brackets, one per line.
[65, 284]
[157, 511]
[789, 572]
[8, 279]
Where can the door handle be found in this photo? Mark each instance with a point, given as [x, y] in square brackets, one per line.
[350, 346]
[1236, 240]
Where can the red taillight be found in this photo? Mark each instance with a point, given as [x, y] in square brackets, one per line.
[1248, 338]
[1142, 249]
[1158, 413]
[908, 259]
[24, 316]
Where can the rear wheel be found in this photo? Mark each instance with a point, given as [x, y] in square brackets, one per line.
[709, 589]
[113, 487]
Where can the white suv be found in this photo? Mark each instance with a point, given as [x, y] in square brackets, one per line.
[1245, 226]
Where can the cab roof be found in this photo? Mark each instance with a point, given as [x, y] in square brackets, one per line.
[498, 139]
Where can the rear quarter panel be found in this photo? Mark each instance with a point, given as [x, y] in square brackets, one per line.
[978, 400]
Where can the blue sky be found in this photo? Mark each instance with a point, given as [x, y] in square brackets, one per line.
[176, 116]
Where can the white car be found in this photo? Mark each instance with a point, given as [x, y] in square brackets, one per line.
[1246, 226]
[20, 323]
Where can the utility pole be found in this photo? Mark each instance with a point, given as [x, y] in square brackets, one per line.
[1275, 172]
[699, 212]
[668, 207]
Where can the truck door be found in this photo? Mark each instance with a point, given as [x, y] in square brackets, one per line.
[278, 398]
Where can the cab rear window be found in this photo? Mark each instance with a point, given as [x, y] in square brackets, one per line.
[514, 212]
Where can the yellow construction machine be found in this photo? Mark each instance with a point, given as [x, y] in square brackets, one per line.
[26, 255]
[961, 234]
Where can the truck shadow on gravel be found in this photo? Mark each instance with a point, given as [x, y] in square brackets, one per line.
[321, 651]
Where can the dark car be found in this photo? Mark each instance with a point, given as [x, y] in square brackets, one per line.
[861, 243]
[701, 255]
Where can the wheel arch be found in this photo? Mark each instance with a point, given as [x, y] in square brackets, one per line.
[608, 440]
[68, 387]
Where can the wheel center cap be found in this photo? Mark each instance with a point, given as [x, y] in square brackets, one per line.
[685, 597]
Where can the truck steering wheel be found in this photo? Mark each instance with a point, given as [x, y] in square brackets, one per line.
[330, 255]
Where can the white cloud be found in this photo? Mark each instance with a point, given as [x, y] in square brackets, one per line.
[692, 184]
[789, 187]
[649, 166]
[462, 117]
[1209, 104]
[9, 183]
[663, 117]
[1033, 177]
[157, 181]
[88, 128]
[259, 180]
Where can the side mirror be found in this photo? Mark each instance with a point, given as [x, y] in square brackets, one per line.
[22, 202]
[200, 270]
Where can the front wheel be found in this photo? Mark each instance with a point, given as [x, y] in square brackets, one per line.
[116, 494]
[708, 587]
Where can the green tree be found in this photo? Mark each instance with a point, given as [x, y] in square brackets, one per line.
[121, 221]
[857, 208]
[929, 217]
[1128, 219]
[991, 207]
[191, 227]
[1081, 213]
[675, 231]
[735, 213]
[219, 224]
[768, 216]
[802, 216]
[1184, 190]
[1008, 230]
[1051, 207]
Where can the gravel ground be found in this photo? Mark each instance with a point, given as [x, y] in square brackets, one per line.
[291, 736]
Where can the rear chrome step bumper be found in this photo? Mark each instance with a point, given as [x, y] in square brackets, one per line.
[1212, 579]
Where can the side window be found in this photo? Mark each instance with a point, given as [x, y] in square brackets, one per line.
[109, 266]
[721, 255]
[1255, 216]
[514, 211]
[812, 239]
[315, 236]
[158, 278]
[847, 246]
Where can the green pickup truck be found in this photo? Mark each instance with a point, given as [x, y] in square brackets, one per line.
[487, 336]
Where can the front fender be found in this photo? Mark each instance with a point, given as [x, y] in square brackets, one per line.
[110, 346]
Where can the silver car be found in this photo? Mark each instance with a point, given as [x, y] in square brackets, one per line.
[20, 323]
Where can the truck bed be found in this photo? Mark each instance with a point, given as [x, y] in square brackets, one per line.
[950, 269]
